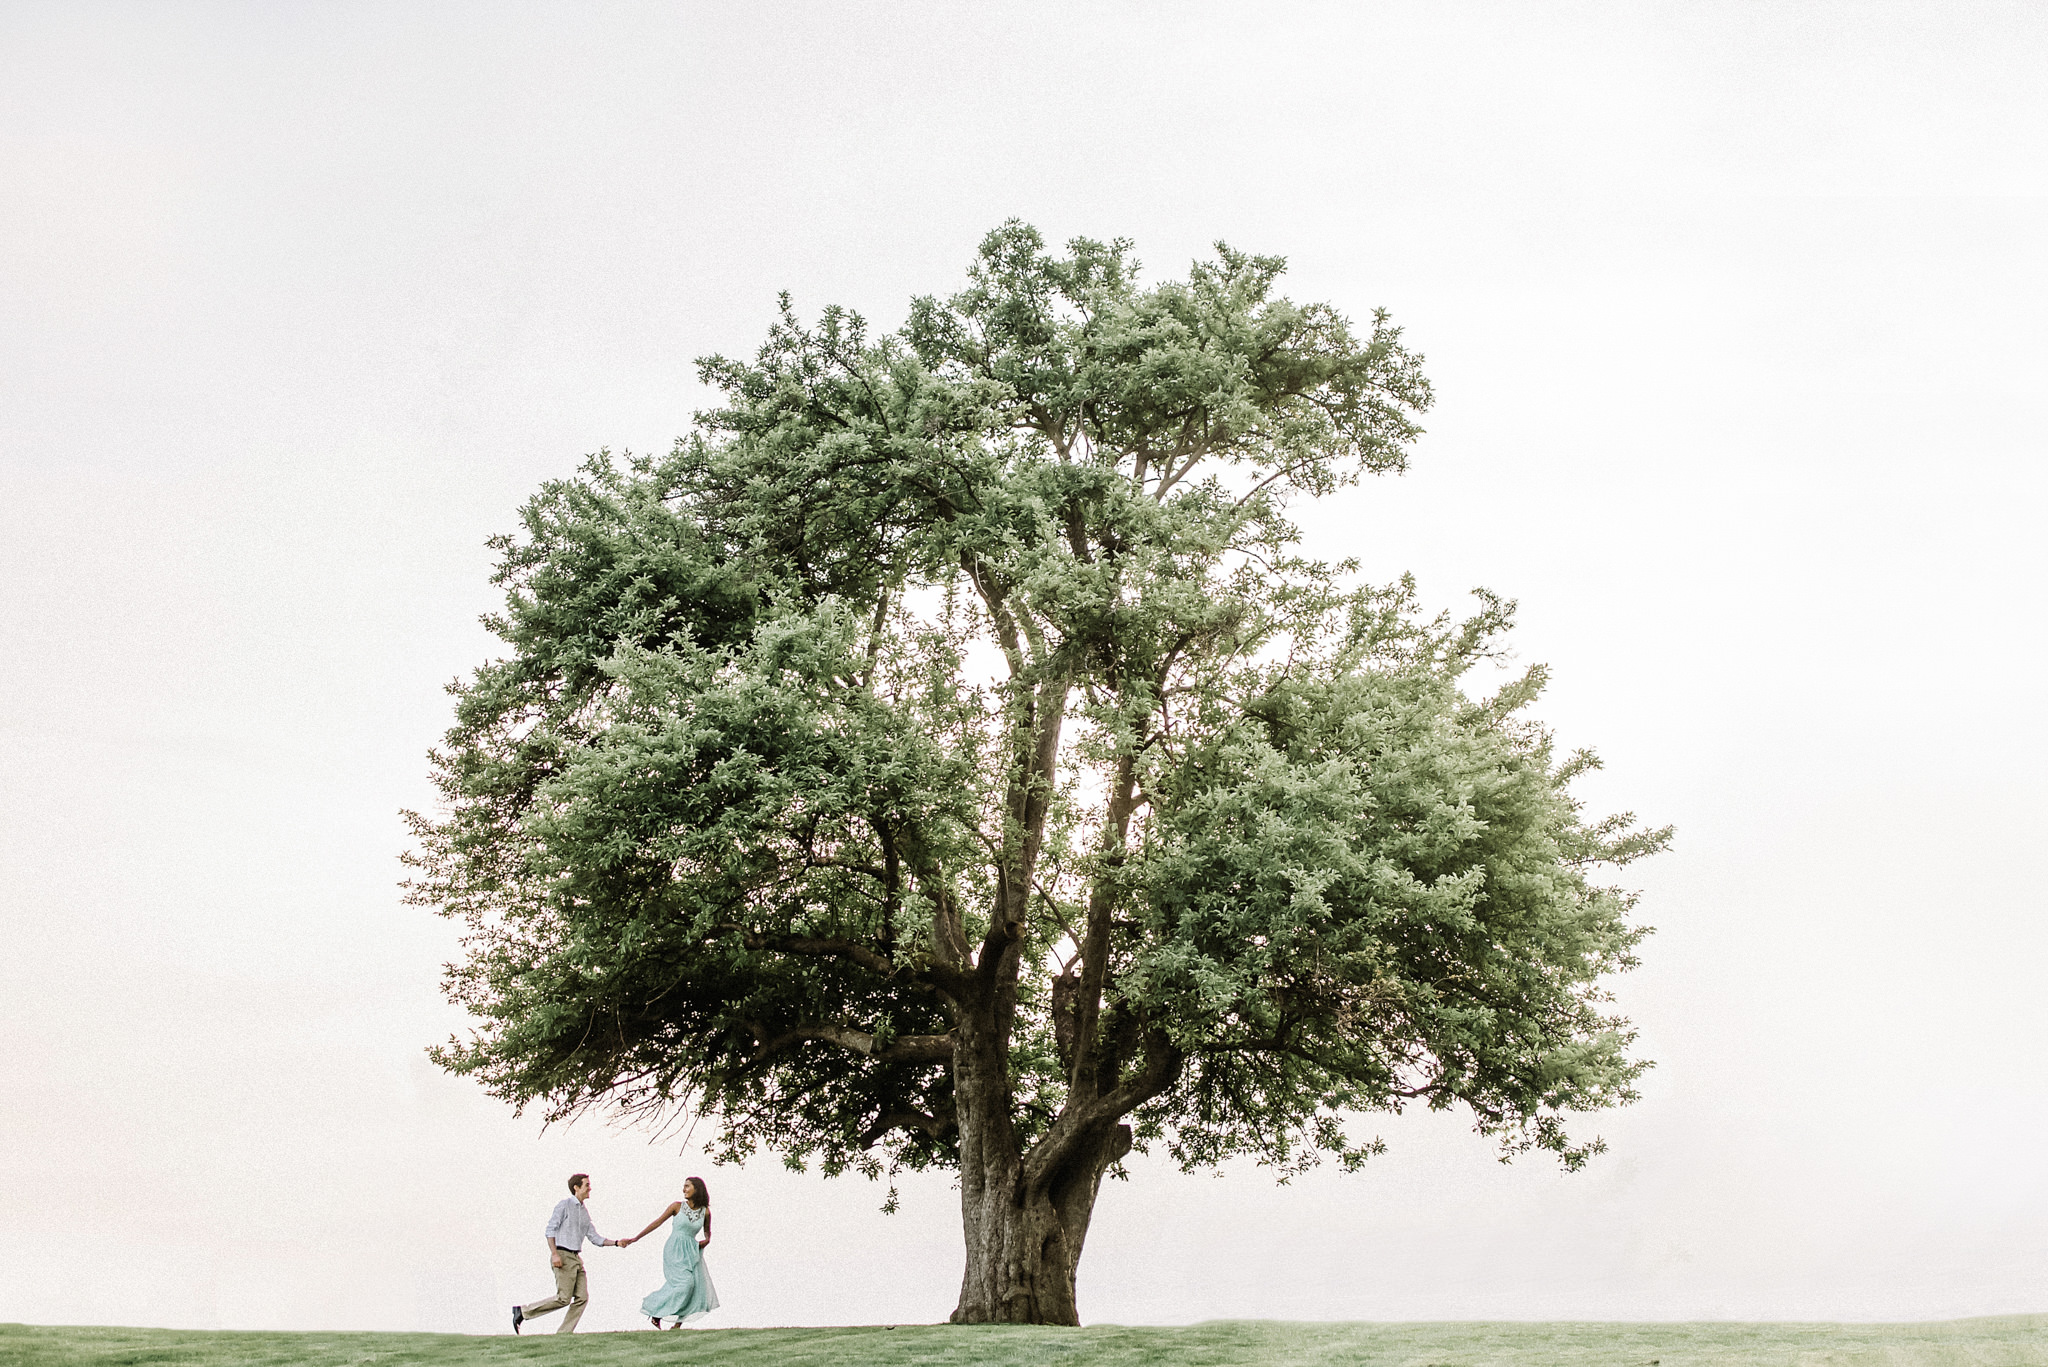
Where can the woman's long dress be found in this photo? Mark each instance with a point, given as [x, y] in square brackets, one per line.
[687, 1292]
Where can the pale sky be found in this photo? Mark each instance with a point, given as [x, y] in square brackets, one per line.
[1734, 312]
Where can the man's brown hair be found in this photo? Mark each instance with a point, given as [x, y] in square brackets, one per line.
[576, 1180]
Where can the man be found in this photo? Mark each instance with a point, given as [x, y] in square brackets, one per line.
[568, 1229]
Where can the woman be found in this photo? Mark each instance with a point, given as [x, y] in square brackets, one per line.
[687, 1292]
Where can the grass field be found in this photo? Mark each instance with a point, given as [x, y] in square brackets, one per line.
[2013, 1341]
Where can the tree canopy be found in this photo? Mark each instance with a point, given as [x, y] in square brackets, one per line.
[946, 755]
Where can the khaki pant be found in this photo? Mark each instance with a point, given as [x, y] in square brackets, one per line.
[572, 1289]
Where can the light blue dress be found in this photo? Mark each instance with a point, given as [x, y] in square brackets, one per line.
[688, 1292]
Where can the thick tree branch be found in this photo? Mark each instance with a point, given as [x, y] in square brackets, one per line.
[995, 598]
[815, 947]
[947, 968]
[1077, 533]
[867, 681]
[934, 977]
[1160, 1071]
[1032, 783]
[874, 871]
[936, 1126]
[902, 1049]
[1083, 1079]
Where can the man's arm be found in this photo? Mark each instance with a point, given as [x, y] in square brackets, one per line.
[555, 1219]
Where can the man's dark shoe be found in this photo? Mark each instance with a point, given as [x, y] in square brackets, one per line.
[518, 1317]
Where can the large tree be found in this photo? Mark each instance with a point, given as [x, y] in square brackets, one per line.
[944, 757]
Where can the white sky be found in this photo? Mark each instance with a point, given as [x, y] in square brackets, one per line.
[1735, 315]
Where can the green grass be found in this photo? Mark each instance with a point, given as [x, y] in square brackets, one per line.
[2013, 1341]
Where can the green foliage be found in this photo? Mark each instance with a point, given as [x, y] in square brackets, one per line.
[1370, 889]
[977, 664]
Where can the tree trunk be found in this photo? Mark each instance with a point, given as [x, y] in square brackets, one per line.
[1023, 1245]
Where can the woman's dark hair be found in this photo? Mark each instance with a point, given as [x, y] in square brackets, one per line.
[703, 1201]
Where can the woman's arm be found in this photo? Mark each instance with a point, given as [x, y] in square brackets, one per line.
[658, 1221]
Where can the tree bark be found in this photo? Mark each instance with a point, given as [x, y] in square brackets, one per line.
[1024, 1221]
[1023, 1242]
